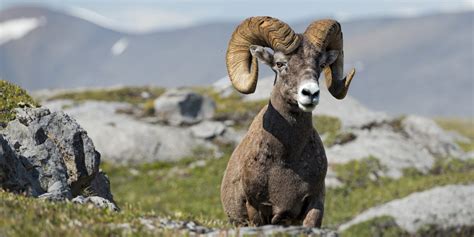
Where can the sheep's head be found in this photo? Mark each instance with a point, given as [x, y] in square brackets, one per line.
[297, 60]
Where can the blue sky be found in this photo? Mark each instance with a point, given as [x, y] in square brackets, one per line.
[145, 15]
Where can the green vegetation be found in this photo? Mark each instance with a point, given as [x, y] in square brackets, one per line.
[174, 189]
[232, 107]
[12, 96]
[361, 192]
[384, 226]
[132, 95]
[329, 128]
[464, 127]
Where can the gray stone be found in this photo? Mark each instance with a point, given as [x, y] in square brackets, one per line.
[427, 134]
[48, 155]
[207, 129]
[183, 107]
[445, 207]
[100, 186]
[97, 201]
[14, 176]
[392, 149]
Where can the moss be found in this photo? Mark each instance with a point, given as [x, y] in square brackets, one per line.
[11, 97]
[133, 95]
[384, 226]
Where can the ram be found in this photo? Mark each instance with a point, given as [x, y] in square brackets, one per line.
[276, 174]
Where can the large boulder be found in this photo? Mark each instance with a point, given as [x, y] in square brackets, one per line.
[183, 107]
[445, 207]
[49, 155]
[400, 143]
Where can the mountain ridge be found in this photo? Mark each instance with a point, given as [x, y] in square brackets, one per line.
[410, 65]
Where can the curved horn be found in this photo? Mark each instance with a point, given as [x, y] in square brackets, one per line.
[327, 35]
[261, 30]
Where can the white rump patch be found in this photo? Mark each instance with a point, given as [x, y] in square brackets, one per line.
[18, 28]
[119, 47]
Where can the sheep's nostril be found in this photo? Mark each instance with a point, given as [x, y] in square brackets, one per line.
[316, 94]
[306, 92]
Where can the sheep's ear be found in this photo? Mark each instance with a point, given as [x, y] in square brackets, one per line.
[262, 54]
[328, 58]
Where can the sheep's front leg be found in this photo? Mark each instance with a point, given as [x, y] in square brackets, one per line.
[314, 216]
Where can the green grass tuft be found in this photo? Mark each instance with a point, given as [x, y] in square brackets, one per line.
[11, 97]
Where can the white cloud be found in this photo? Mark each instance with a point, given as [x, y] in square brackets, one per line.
[17, 28]
[134, 19]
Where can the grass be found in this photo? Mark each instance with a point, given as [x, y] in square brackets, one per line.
[11, 97]
[143, 96]
[354, 197]
[384, 226]
[173, 189]
[23, 216]
[464, 127]
[233, 107]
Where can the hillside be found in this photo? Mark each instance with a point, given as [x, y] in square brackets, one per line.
[417, 65]
[166, 177]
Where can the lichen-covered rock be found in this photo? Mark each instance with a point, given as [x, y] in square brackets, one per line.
[444, 207]
[48, 155]
[183, 107]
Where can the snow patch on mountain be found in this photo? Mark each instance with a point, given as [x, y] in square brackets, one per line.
[17, 28]
[119, 47]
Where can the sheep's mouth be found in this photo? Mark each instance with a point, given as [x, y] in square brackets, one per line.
[309, 107]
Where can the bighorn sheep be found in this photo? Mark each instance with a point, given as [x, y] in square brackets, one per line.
[276, 174]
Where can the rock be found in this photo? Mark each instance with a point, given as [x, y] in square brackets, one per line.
[207, 129]
[183, 107]
[49, 155]
[100, 186]
[14, 176]
[412, 142]
[392, 149]
[444, 207]
[97, 201]
[427, 134]
[121, 138]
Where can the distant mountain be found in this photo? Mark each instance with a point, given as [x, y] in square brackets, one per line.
[409, 65]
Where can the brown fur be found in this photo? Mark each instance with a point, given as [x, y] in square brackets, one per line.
[276, 174]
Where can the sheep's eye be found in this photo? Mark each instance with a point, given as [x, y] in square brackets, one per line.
[279, 64]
